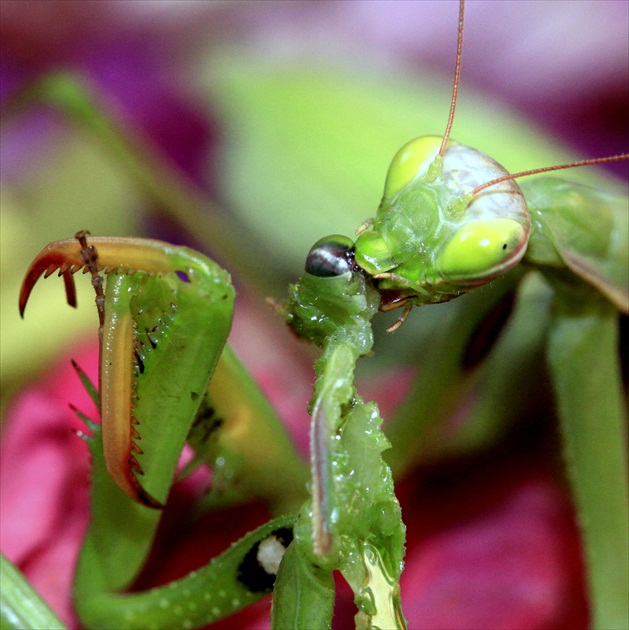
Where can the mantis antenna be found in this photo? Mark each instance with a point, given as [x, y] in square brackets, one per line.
[457, 75]
[547, 169]
[512, 176]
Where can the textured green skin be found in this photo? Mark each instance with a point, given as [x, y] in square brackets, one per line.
[353, 508]
[353, 521]
[177, 370]
[341, 306]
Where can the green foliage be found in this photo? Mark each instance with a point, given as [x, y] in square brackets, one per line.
[20, 605]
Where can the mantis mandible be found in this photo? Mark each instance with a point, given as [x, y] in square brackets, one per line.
[451, 220]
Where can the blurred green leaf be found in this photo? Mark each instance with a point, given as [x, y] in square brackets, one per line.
[308, 145]
[20, 605]
[79, 188]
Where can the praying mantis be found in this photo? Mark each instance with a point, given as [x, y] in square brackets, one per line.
[150, 361]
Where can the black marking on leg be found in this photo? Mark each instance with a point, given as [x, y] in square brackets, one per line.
[251, 573]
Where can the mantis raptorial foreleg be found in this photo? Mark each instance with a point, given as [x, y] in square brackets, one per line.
[154, 373]
[156, 361]
[151, 343]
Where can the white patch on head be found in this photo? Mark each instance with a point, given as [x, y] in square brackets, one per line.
[270, 552]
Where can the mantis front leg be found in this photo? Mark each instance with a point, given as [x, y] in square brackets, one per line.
[164, 317]
[167, 313]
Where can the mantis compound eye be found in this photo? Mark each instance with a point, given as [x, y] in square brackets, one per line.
[483, 249]
[331, 256]
[411, 161]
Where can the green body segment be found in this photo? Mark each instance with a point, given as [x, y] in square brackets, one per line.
[582, 231]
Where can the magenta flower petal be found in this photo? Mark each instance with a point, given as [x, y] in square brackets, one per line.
[506, 556]
[44, 468]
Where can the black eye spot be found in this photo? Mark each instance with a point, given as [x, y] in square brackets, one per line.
[504, 246]
[331, 256]
[252, 574]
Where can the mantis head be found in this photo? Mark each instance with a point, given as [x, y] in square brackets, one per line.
[433, 238]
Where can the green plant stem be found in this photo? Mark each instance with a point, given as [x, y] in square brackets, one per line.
[173, 193]
[20, 605]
